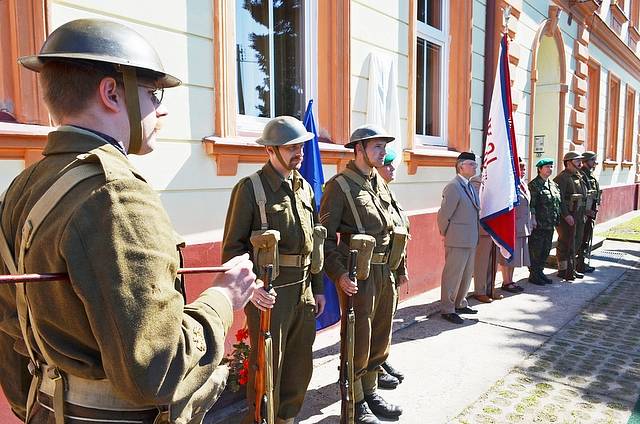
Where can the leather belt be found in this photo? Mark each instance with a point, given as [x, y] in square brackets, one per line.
[294, 261]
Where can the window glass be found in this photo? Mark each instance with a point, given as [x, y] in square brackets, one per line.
[428, 86]
[430, 12]
[270, 54]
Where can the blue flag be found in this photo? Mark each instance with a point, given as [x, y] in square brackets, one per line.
[311, 170]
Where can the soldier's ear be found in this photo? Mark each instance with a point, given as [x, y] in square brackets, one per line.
[110, 98]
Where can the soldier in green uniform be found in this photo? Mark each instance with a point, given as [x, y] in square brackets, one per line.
[389, 376]
[116, 342]
[545, 214]
[572, 194]
[589, 162]
[298, 295]
[357, 201]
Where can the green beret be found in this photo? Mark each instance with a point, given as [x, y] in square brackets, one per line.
[544, 161]
[390, 157]
[588, 155]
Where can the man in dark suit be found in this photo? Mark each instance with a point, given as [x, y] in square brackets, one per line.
[458, 224]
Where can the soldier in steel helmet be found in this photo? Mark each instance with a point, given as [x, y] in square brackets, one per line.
[589, 162]
[389, 377]
[573, 194]
[545, 214]
[116, 342]
[298, 294]
[358, 202]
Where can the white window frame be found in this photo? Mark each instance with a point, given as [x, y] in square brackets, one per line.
[248, 125]
[442, 39]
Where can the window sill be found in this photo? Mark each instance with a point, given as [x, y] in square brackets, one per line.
[428, 157]
[22, 141]
[626, 164]
[609, 164]
[228, 152]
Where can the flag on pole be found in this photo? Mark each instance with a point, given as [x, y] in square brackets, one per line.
[311, 170]
[500, 172]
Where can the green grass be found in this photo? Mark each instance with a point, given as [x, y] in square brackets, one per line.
[627, 231]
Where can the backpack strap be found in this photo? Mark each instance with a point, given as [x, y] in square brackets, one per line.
[344, 185]
[261, 199]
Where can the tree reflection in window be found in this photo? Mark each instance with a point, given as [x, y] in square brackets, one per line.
[270, 57]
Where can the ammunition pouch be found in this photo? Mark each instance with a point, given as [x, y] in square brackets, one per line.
[364, 244]
[591, 199]
[575, 203]
[399, 240]
[265, 249]
[317, 254]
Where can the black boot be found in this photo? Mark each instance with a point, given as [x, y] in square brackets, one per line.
[381, 407]
[387, 381]
[363, 414]
[544, 278]
[393, 371]
[578, 274]
[534, 278]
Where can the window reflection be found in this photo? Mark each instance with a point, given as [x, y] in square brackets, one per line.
[428, 86]
[270, 57]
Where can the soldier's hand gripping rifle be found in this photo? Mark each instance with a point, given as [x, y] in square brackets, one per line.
[265, 256]
[347, 373]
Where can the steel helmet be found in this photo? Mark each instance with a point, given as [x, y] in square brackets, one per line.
[284, 130]
[107, 43]
[101, 41]
[368, 132]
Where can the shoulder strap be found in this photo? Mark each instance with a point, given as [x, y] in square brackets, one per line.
[344, 185]
[261, 199]
[353, 176]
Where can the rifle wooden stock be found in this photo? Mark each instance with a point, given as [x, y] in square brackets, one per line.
[347, 372]
[63, 276]
[264, 408]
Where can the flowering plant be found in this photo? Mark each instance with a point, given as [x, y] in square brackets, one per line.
[238, 361]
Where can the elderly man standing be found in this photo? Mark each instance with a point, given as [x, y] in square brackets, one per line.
[573, 195]
[458, 224]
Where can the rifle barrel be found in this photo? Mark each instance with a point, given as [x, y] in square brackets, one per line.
[63, 276]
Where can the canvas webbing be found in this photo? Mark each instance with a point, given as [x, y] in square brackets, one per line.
[344, 185]
[261, 199]
[133, 108]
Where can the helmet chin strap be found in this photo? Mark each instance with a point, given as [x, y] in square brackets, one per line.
[366, 157]
[133, 108]
[281, 159]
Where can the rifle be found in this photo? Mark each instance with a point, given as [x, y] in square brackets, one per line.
[63, 276]
[347, 376]
[264, 410]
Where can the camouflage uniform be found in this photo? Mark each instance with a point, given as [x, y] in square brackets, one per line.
[570, 236]
[545, 206]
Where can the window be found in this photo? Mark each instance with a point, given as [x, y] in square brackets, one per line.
[593, 104]
[629, 113]
[431, 59]
[613, 101]
[273, 46]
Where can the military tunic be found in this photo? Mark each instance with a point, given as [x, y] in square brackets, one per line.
[594, 192]
[376, 297]
[121, 316]
[569, 237]
[545, 207]
[290, 210]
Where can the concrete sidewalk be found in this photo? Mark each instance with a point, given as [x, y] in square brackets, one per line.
[558, 353]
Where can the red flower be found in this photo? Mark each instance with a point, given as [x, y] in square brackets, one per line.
[245, 364]
[242, 334]
[243, 380]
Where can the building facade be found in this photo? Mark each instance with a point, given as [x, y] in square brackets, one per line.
[423, 69]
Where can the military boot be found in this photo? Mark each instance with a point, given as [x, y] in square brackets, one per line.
[544, 278]
[387, 381]
[534, 278]
[381, 407]
[393, 371]
[363, 414]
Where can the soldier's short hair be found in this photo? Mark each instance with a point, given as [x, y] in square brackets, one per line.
[68, 86]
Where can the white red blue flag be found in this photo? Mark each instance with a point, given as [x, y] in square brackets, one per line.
[500, 171]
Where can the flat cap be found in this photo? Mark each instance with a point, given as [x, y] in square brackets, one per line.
[588, 155]
[571, 156]
[466, 156]
[544, 161]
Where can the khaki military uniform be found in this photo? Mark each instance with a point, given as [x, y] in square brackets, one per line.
[593, 196]
[290, 210]
[569, 237]
[545, 207]
[121, 316]
[376, 297]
